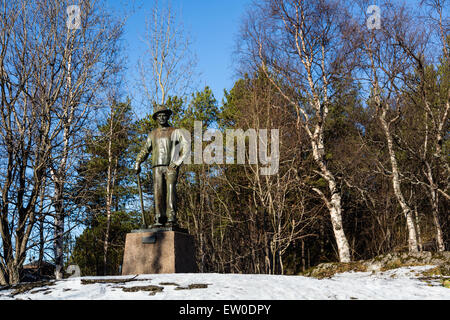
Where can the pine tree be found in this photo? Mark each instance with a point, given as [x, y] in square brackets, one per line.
[105, 187]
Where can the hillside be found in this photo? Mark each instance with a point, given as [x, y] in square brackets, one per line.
[401, 283]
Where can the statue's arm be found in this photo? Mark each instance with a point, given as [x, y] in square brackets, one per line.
[144, 153]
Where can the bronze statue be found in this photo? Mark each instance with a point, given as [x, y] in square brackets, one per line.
[165, 144]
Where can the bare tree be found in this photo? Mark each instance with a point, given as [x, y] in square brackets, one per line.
[286, 221]
[433, 138]
[384, 65]
[23, 147]
[297, 43]
[431, 97]
[168, 64]
[57, 74]
[81, 62]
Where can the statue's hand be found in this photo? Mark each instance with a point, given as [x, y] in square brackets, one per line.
[137, 168]
[173, 166]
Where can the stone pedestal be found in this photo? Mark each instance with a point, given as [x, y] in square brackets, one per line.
[158, 251]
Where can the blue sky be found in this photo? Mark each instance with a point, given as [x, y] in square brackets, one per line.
[212, 25]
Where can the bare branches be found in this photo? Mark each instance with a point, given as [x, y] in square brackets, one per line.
[51, 78]
[168, 65]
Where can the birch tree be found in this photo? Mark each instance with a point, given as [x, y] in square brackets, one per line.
[167, 67]
[429, 92]
[384, 66]
[25, 129]
[281, 220]
[89, 60]
[297, 43]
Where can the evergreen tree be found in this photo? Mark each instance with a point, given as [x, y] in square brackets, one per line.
[105, 189]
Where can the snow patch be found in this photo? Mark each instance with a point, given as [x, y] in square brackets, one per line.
[401, 283]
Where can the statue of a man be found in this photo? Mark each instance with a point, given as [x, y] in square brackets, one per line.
[165, 144]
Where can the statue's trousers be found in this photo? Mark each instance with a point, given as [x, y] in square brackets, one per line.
[164, 182]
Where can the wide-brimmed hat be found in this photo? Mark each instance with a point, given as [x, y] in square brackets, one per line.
[161, 109]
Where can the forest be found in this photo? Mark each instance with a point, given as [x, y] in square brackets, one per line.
[360, 98]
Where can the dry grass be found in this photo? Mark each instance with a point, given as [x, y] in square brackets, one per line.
[327, 270]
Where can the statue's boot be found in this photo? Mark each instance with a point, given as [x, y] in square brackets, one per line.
[157, 223]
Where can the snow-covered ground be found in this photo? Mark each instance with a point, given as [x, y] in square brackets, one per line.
[402, 283]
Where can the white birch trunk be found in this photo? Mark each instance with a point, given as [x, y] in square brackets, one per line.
[338, 229]
[108, 196]
[432, 188]
[334, 205]
[407, 212]
[434, 199]
[310, 57]
[59, 254]
[110, 183]
[59, 176]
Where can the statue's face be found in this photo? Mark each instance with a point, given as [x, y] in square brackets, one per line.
[162, 118]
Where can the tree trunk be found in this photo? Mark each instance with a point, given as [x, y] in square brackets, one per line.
[407, 212]
[3, 281]
[419, 233]
[41, 245]
[434, 199]
[109, 199]
[335, 204]
[110, 183]
[13, 273]
[106, 241]
[338, 229]
[41, 229]
[60, 174]
[59, 243]
[108, 203]
[58, 203]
